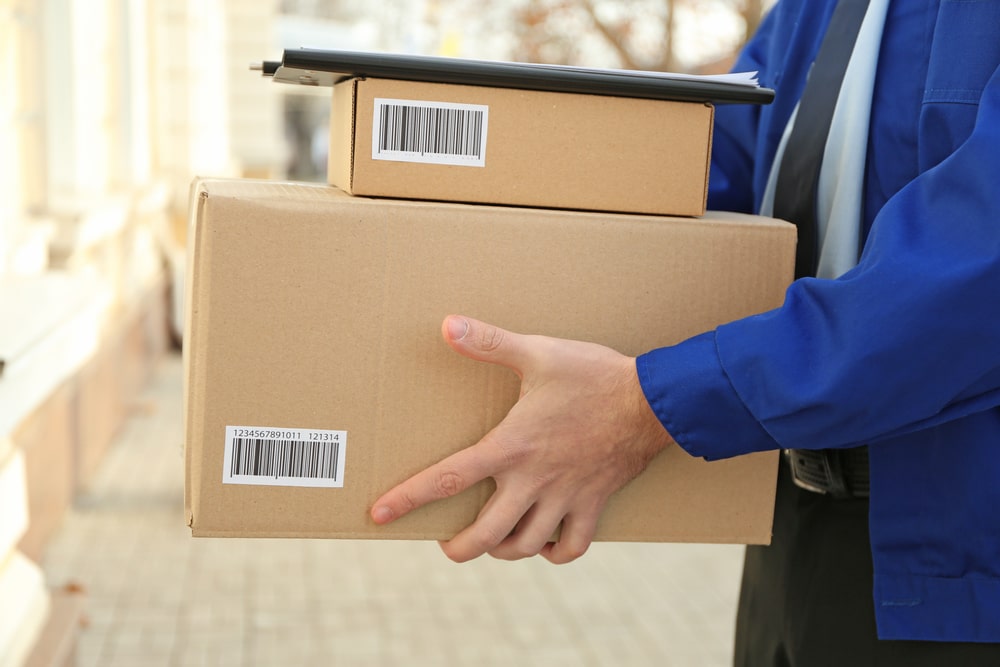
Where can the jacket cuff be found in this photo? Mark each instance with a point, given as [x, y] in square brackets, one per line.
[693, 398]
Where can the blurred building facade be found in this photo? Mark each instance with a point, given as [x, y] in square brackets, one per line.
[108, 109]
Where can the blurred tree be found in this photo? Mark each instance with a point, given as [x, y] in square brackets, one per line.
[752, 12]
[640, 34]
[668, 35]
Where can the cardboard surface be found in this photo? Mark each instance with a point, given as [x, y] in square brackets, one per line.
[542, 149]
[312, 309]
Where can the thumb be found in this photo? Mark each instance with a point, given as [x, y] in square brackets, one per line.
[484, 342]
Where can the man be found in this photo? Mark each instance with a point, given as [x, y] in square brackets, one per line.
[901, 353]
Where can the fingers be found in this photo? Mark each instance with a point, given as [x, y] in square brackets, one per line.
[495, 523]
[499, 532]
[485, 342]
[544, 476]
[446, 478]
[532, 533]
[458, 472]
[575, 538]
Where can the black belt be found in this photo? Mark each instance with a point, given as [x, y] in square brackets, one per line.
[839, 473]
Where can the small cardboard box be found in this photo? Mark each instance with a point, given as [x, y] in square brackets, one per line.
[457, 143]
[313, 345]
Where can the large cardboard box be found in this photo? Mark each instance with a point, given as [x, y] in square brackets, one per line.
[459, 143]
[313, 339]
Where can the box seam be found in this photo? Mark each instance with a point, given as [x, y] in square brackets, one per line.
[354, 132]
[708, 155]
[193, 365]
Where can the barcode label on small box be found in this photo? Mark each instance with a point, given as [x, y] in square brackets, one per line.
[430, 132]
[269, 456]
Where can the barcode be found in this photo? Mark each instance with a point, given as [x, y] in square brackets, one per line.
[284, 457]
[430, 132]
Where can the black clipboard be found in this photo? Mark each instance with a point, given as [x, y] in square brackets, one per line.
[320, 67]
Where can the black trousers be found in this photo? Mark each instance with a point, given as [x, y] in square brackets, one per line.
[806, 600]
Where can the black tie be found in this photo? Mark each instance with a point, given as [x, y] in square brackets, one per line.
[798, 176]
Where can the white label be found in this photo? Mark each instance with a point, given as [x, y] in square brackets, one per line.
[430, 132]
[269, 456]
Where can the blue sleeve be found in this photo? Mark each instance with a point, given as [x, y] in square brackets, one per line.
[691, 394]
[907, 340]
[735, 133]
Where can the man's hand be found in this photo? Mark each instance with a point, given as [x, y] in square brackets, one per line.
[580, 431]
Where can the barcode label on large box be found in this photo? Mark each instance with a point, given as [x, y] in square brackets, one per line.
[430, 132]
[269, 456]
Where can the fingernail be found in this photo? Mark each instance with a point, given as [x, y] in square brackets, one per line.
[457, 328]
[382, 514]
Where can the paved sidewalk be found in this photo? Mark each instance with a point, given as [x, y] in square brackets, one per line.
[156, 596]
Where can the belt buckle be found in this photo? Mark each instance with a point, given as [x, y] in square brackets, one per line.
[799, 475]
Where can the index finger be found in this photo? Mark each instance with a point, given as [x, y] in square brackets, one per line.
[444, 479]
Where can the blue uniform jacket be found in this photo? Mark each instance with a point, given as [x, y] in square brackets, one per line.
[903, 352]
